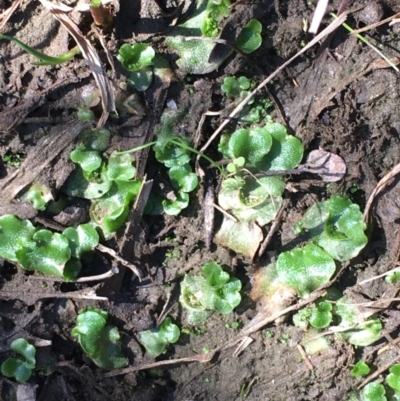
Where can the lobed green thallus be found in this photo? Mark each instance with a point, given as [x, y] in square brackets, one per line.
[157, 340]
[101, 342]
[20, 369]
[41, 250]
[213, 290]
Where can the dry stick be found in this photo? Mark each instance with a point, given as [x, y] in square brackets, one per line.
[368, 280]
[123, 261]
[197, 358]
[305, 357]
[378, 372]
[330, 28]
[6, 15]
[273, 228]
[318, 15]
[89, 53]
[372, 26]
[102, 276]
[382, 184]
[70, 295]
[387, 346]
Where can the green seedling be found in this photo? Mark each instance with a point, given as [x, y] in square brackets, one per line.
[250, 39]
[157, 340]
[45, 252]
[12, 229]
[138, 59]
[215, 12]
[235, 88]
[85, 114]
[337, 226]
[38, 195]
[101, 342]
[88, 159]
[360, 369]
[108, 183]
[393, 277]
[250, 199]
[201, 27]
[20, 370]
[111, 211]
[235, 165]
[12, 159]
[362, 329]
[318, 316]
[42, 250]
[393, 379]
[213, 290]
[306, 269]
[256, 108]
[45, 59]
[373, 391]
[82, 239]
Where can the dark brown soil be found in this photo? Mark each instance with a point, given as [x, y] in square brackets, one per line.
[339, 96]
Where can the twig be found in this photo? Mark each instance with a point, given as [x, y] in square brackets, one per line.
[379, 276]
[305, 357]
[225, 213]
[70, 295]
[368, 43]
[102, 276]
[378, 372]
[6, 15]
[318, 15]
[274, 227]
[330, 28]
[203, 358]
[382, 184]
[372, 26]
[123, 261]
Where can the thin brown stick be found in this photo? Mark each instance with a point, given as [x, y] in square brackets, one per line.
[372, 26]
[70, 295]
[305, 357]
[382, 184]
[123, 261]
[378, 372]
[197, 358]
[102, 276]
[59, 11]
[329, 29]
[368, 280]
[6, 15]
[225, 213]
[319, 13]
[274, 227]
[388, 346]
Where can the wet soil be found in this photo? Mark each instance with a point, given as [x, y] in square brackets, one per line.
[339, 96]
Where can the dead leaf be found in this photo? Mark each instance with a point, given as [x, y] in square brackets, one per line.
[90, 55]
[329, 166]
[244, 238]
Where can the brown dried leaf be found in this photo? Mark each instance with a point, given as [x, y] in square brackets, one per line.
[244, 238]
[329, 166]
[89, 54]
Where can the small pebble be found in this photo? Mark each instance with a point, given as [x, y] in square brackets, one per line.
[372, 13]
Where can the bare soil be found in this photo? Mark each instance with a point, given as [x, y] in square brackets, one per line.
[339, 96]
